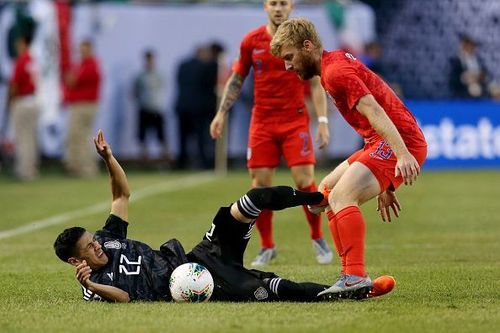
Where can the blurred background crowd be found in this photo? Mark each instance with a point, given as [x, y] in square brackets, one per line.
[150, 73]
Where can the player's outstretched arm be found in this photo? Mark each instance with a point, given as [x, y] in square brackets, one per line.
[119, 183]
[407, 166]
[231, 93]
[319, 100]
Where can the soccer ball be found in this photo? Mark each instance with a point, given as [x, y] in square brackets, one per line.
[191, 282]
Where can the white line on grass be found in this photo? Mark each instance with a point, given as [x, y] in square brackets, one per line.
[148, 191]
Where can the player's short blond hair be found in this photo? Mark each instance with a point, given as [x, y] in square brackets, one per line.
[294, 32]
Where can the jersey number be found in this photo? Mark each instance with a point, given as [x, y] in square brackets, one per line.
[210, 232]
[383, 151]
[123, 269]
[305, 144]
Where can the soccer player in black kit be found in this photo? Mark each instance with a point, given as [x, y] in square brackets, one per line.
[111, 267]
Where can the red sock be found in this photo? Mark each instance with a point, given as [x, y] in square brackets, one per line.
[313, 219]
[351, 230]
[332, 223]
[265, 228]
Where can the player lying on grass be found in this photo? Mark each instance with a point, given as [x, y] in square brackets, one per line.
[113, 268]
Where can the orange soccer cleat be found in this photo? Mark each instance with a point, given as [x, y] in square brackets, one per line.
[382, 285]
[317, 209]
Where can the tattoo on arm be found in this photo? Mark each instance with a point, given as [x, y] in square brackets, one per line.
[231, 92]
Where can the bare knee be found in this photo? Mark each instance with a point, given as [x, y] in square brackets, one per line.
[261, 177]
[305, 181]
[303, 175]
[339, 199]
[235, 212]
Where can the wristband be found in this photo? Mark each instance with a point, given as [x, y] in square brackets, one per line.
[323, 119]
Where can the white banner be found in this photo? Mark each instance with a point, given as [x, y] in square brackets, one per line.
[45, 52]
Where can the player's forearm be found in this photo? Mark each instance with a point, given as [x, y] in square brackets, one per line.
[110, 293]
[318, 98]
[231, 93]
[118, 178]
[382, 124]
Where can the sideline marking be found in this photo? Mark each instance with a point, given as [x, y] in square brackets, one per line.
[148, 191]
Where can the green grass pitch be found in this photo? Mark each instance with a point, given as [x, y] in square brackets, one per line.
[444, 252]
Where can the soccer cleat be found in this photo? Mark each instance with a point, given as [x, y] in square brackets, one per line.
[323, 253]
[264, 257]
[319, 208]
[349, 287]
[382, 285]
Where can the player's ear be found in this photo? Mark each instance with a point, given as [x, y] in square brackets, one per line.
[74, 261]
[307, 45]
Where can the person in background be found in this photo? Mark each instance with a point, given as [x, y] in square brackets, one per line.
[82, 96]
[24, 112]
[467, 74]
[149, 93]
[196, 102]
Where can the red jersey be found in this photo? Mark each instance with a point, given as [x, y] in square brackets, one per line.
[275, 89]
[22, 78]
[347, 80]
[87, 84]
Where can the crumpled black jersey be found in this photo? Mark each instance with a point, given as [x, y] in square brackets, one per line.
[134, 266]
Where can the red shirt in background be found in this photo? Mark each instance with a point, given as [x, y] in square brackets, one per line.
[22, 78]
[347, 80]
[275, 89]
[87, 82]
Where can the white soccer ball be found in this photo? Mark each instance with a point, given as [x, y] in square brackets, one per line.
[191, 282]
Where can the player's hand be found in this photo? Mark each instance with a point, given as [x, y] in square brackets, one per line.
[408, 168]
[83, 272]
[217, 125]
[322, 135]
[102, 146]
[385, 202]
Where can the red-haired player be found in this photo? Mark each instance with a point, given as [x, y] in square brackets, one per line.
[394, 150]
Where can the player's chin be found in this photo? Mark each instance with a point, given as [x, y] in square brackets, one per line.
[103, 259]
[305, 76]
[278, 20]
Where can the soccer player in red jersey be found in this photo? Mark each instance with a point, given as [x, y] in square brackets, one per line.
[279, 124]
[394, 150]
[24, 111]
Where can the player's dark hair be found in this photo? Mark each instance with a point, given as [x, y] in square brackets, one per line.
[65, 243]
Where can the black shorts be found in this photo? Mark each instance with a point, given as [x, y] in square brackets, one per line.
[221, 252]
[149, 119]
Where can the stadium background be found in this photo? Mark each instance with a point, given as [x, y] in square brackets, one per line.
[417, 40]
[444, 250]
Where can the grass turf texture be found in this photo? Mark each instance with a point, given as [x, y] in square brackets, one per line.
[444, 252]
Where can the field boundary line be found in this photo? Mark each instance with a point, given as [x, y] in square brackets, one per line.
[145, 192]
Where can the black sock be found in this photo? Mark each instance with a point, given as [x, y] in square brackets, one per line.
[287, 290]
[275, 198]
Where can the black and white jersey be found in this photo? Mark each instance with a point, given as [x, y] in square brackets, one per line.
[133, 266]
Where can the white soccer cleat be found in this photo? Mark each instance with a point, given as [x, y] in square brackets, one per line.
[317, 209]
[348, 286]
[264, 257]
[324, 254]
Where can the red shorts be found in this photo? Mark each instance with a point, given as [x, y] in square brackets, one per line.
[381, 161]
[269, 140]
